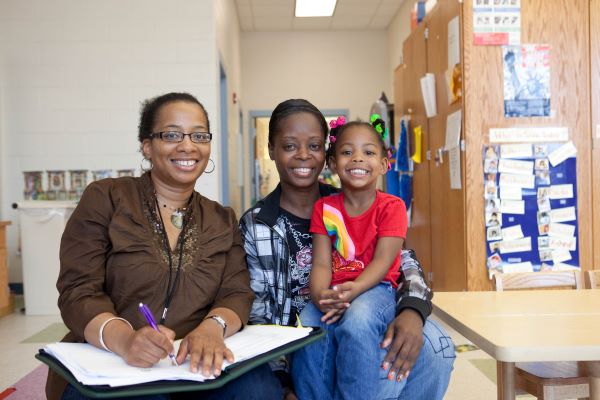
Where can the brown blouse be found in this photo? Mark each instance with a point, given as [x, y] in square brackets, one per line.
[113, 256]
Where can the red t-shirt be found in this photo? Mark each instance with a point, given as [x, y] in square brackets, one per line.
[354, 239]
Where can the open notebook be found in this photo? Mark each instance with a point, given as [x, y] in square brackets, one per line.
[92, 366]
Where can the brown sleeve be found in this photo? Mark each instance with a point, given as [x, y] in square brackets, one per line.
[83, 253]
[235, 292]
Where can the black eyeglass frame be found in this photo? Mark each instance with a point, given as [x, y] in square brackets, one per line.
[183, 135]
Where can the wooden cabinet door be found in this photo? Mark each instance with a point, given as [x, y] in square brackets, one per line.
[595, 58]
[448, 258]
[414, 67]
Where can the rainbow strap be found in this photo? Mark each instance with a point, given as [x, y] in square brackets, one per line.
[334, 224]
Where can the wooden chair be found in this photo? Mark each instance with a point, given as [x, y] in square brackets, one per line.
[594, 279]
[547, 380]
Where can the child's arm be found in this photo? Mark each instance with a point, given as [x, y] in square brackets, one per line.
[388, 247]
[320, 274]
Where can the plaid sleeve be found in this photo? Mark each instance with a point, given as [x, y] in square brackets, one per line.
[413, 291]
[261, 307]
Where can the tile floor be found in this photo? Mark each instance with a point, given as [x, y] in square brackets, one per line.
[467, 383]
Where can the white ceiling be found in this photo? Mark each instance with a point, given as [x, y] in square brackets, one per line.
[278, 15]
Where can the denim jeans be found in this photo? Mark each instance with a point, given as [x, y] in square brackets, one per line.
[257, 384]
[346, 364]
[430, 375]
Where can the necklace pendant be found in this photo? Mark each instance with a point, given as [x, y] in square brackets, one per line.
[177, 219]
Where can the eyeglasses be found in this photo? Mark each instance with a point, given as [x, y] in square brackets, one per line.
[176, 137]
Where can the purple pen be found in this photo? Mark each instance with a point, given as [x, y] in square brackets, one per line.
[150, 318]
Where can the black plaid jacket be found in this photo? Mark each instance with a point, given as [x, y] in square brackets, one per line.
[267, 256]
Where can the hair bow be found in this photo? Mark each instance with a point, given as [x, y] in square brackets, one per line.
[334, 123]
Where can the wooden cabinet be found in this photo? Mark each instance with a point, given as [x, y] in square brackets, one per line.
[6, 305]
[448, 227]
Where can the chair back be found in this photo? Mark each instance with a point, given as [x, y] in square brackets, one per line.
[594, 279]
[538, 280]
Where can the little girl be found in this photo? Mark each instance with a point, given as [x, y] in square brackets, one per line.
[357, 238]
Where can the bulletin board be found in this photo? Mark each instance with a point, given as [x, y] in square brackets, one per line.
[530, 192]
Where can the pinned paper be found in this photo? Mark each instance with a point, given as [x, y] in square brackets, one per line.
[453, 124]
[515, 246]
[428, 92]
[515, 180]
[516, 167]
[558, 229]
[559, 155]
[512, 207]
[563, 214]
[533, 134]
[561, 255]
[512, 232]
[418, 148]
[560, 242]
[560, 192]
[509, 268]
[511, 193]
[454, 159]
[516, 150]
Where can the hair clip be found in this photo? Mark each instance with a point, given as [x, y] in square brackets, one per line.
[335, 123]
[379, 125]
[332, 139]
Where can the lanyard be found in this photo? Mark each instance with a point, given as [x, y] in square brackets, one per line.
[181, 239]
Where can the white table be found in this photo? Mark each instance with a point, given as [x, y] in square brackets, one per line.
[528, 326]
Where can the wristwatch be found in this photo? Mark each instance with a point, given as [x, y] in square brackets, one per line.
[220, 321]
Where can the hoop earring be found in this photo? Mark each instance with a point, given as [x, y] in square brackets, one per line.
[145, 168]
[213, 167]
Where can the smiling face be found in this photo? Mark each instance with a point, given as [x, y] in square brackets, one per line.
[178, 165]
[359, 158]
[298, 150]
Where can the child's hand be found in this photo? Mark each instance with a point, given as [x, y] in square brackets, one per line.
[332, 304]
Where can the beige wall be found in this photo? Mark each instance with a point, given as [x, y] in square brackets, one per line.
[228, 44]
[74, 74]
[398, 31]
[332, 69]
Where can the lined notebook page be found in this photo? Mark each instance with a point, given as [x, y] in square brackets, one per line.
[92, 366]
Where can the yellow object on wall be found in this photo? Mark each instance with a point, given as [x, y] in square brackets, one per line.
[416, 157]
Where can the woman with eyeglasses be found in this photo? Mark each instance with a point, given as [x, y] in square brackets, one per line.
[155, 240]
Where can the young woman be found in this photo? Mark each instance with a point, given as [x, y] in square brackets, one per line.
[279, 255]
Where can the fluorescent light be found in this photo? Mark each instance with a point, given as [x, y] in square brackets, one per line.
[315, 8]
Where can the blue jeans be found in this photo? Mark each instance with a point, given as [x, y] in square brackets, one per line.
[430, 375]
[257, 384]
[347, 362]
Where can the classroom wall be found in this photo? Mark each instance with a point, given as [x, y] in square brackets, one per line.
[228, 44]
[332, 69]
[74, 73]
[397, 32]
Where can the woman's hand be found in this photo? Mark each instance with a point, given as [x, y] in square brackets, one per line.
[206, 348]
[404, 339]
[145, 347]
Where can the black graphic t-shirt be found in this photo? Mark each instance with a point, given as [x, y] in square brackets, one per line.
[300, 260]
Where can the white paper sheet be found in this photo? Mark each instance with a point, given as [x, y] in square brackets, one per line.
[453, 126]
[533, 134]
[515, 167]
[560, 192]
[516, 246]
[515, 180]
[512, 207]
[558, 229]
[508, 268]
[512, 232]
[93, 366]
[563, 214]
[511, 193]
[559, 155]
[516, 150]
[454, 160]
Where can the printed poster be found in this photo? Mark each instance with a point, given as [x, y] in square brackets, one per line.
[496, 22]
[526, 80]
